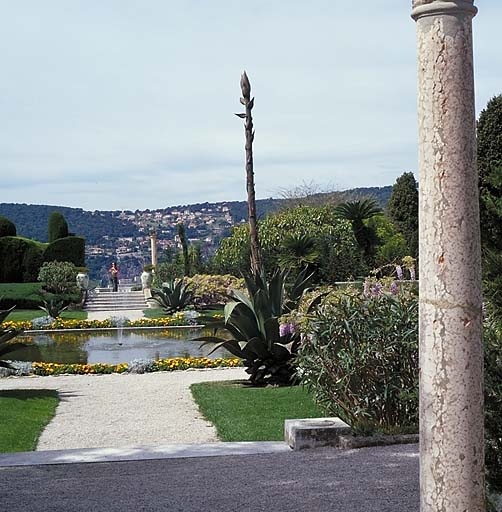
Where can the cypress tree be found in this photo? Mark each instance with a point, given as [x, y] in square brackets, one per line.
[57, 227]
[403, 209]
[184, 246]
[489, 138]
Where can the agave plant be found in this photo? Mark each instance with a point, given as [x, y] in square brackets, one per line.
[173, 296]
[254, 334]
[6, 335]
[53, 307]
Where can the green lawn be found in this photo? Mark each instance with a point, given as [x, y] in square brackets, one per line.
[30, 314]
[23, 416]
[154, 313]
[242, 413]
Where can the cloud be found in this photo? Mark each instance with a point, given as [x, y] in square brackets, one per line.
[141, 95]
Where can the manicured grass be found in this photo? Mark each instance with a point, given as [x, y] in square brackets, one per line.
[154, 313]
[242, 413]
[23, 416]
[21, 291]
[29, 314]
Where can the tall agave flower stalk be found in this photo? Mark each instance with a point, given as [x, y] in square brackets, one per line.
[248, 102]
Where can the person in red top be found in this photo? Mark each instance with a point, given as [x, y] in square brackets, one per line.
[114, 275]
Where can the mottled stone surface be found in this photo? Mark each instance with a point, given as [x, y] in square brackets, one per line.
[451, 355]
[302, 434]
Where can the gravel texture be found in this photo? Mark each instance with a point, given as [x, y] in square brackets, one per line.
[379, 479]
[125, 409]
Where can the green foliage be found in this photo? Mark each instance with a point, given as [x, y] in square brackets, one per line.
[71, 248]
[298, 252]
[19, 259]
[58, 277]
[173, 296]
[360, 359]
[184, 246]
[7, 228]
[168, 271]
[403, 209]
[6, 335]
[489, 139]
[54, 306]
[392, 244]
[332, 236]
[358, 213]
[252, 323]
[493, 403]
[243, 413]
[213, 289]
[57, 227]
[25, 413]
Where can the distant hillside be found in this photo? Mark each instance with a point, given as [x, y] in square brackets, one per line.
[31, 220]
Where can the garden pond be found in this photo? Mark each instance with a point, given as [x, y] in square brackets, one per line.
[114, 346]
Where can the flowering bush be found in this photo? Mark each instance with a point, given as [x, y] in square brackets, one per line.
[213, 289]
[360, 358]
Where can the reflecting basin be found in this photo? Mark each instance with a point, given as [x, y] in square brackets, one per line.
[114, 347]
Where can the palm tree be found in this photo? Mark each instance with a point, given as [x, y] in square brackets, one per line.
[357, 212]
[297, 252]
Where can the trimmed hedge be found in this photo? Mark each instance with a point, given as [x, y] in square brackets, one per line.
[7, 227]
[71, 248]
[57, 227]
[21, 295]
[19, 258]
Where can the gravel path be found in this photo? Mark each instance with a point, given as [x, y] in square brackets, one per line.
[125, 409]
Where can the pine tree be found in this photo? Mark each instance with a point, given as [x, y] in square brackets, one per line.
[403, 210]
[489, 138]
[57, 227]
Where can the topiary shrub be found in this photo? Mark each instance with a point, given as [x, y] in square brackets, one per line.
[71, 248]
[57, 227]
[7, 227]
[11, 255]
[20, 259]
[33, 257]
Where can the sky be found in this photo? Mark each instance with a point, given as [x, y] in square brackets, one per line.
[129, 104]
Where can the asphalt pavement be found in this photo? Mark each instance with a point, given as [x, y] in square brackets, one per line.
[378, 479]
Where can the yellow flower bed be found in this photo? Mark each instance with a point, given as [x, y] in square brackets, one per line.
[177, 319]
[171, 364]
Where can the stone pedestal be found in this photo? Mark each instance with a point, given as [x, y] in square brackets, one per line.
[451, 352]
[314, 432]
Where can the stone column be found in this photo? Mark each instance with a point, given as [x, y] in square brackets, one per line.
[153, 244]
[451, 351]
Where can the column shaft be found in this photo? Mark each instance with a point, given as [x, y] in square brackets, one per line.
[451, 351]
